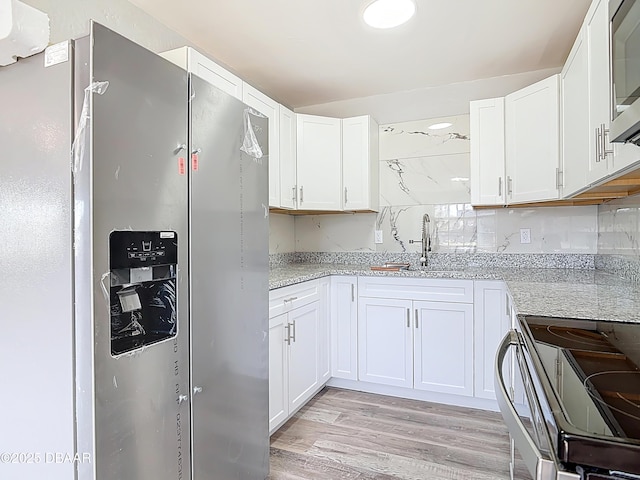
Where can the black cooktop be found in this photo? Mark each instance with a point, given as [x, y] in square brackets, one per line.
[592, 379]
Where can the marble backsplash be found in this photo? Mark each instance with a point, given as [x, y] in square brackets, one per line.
[619, 236]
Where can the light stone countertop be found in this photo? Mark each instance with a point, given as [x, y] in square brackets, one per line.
[572, 293]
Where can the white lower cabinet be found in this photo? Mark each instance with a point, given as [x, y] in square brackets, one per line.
[298, 348]
[431, 339]
[425, 345]
[385, 341]
[278, 371]
[344, 327]
[492, 321]
[304, 330]
[443, 347]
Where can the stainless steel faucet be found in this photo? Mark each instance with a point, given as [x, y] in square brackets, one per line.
[426, 239]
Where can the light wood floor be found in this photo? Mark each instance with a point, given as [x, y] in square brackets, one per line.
[344, 434]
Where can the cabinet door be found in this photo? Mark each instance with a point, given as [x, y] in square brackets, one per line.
[487, 152]
[324, 331]
[319, 163]
[304, 324]
[533, 142]
[288, 188]
[443, 347]
[344, 327]
[278, 371]
[577, 144]
[385, 350]
[360, 163]
[263, 104]
[213, 73]
[491, 322]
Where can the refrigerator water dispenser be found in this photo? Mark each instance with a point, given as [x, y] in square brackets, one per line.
[143, 268]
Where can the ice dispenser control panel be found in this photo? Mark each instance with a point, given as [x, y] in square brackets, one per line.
[143, 268]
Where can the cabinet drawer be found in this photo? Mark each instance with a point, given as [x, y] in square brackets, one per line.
[429, 289]
[282, 300]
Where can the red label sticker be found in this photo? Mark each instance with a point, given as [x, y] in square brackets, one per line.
[194, 162]
[181, 166]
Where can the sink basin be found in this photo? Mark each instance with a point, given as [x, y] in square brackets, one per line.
[399, 266]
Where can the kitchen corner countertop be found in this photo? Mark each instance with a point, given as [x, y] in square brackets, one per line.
[572, 293]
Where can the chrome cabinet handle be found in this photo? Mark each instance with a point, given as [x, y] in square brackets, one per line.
[605, 132]
[509, 186]
[290, 299]
[598, 154]
[417, 326]
[499, 186]
[182, 399]
[293, 196]
[288, 336]
[408, 318]
[197, 390]
[293, 330]
[301, 195]
[345, 195]
[353, 292]
[558, 178]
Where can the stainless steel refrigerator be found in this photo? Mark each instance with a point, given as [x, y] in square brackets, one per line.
[134, 289]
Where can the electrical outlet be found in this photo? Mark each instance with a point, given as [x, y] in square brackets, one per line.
[525, 235]
[378, 238]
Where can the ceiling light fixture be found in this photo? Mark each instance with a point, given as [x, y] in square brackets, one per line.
[439, 126]
[388, 13]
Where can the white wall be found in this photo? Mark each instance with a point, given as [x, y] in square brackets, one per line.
[430, 102]
[70, 19]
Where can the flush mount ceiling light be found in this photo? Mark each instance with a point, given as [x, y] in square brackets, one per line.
[388, 13]
[439, 126]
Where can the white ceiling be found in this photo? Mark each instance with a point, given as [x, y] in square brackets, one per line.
[308, 52]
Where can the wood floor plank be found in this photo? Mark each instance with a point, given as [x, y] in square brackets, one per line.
[343, 434]
[420, 449]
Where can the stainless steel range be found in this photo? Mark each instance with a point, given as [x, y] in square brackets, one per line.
[573, 403]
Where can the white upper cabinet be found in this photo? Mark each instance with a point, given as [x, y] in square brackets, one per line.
[193, 61]
[360, 164]
[532, 133]
[488, 184]
[319, 162]
[587, 155]
[288, 188]
[269, 108]
[596, 32]
[578, 153]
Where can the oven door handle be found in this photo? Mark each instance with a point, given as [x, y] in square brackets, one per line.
[540, 467]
